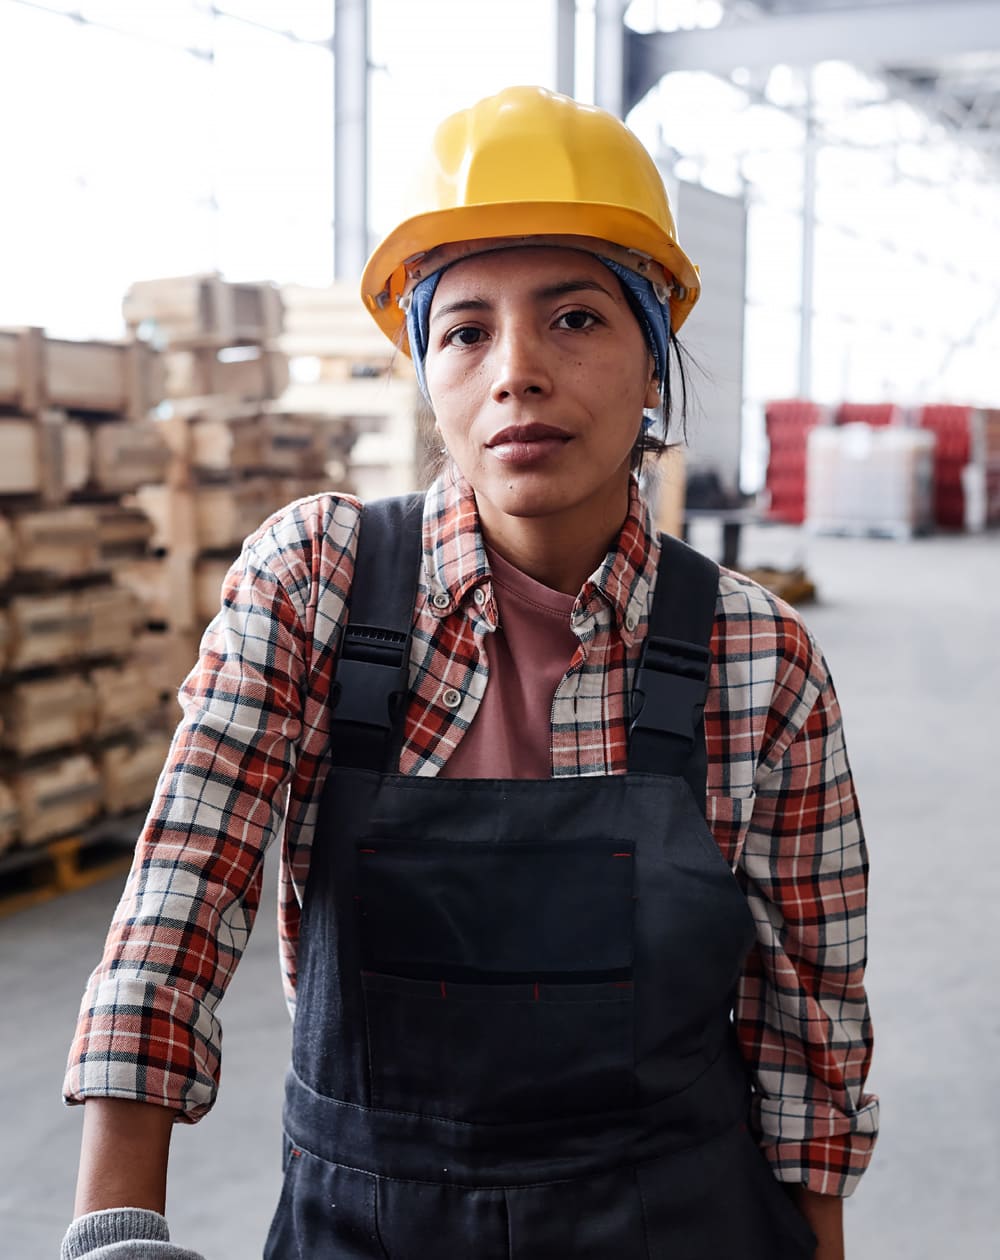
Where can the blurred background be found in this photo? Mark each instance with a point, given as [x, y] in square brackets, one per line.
[189, 192]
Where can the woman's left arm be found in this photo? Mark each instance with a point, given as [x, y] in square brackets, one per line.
[802, 1013]
[825, 1214]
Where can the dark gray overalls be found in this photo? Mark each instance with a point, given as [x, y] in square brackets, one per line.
[513, 1036]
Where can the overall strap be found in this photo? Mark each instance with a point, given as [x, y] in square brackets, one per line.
[667, 735]
[373, 667]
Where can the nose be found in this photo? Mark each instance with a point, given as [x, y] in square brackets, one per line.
[520, 369]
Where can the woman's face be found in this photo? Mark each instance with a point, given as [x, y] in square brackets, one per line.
[538, 373]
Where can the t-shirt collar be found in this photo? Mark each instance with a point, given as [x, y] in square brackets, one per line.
[456, 563]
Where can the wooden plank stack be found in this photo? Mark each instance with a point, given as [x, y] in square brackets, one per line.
[344, 368]
[77, 432]
[238, 451]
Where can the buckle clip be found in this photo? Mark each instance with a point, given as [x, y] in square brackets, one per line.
[372, 671]
[670, 688]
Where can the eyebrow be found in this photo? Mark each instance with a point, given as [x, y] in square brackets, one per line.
[547, 292]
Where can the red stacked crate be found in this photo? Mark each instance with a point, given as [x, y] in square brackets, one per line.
[952, 427]
[788, 423]
[877, 414]
[991, 458]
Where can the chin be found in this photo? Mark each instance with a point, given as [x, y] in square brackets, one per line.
[531, 502]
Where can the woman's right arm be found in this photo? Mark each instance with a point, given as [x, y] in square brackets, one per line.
[123, 1155]
[147, 1044]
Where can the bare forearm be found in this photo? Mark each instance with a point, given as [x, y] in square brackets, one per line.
[825, 1214]
[123, 1156]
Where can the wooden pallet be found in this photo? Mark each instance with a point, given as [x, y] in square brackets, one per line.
[109, 377]
[220, 438]
[32, 876]
[204, 310]
[241, 373]
[331, 326]
[64, 626]
[794, 586]
[52, 456]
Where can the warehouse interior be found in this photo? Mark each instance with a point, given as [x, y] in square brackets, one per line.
[193, 189]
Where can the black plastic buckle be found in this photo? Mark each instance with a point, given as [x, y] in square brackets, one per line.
[670, 688]
[372, 671]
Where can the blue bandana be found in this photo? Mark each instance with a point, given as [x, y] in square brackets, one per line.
[652, 314]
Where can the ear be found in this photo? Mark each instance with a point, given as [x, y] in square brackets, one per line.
[652, 400]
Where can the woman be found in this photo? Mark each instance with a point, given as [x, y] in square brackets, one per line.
[510, 922]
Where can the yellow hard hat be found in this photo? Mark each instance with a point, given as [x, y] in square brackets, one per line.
[531, 163]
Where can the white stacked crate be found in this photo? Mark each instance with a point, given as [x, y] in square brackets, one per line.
[865, 479]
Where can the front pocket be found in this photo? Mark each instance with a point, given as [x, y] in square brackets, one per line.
[498, 977]
[499, 1052]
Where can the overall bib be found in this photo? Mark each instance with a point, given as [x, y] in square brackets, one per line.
[513, 1036]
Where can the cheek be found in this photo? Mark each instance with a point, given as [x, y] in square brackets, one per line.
[616, 388]
[453, 403]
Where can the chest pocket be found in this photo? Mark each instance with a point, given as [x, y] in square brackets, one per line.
[497, 978]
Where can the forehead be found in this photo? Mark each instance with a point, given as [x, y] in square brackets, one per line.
[524, 267]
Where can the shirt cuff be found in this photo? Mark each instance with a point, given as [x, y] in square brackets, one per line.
[816, 1146]
[122, 1234]
[146, 1042]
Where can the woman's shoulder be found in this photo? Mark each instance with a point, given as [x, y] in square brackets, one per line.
[308, 534]
[755, 625]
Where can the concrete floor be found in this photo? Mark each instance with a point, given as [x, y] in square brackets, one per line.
[912, 632]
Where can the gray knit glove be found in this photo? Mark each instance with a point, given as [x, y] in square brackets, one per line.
[122, 1234]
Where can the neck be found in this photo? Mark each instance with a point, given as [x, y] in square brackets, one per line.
[561, 550]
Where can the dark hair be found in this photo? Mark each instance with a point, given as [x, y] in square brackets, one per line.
[656, 438]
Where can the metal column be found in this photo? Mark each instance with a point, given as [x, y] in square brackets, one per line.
[350, 138]
[609, 55]
[811, 148]
[566, 46]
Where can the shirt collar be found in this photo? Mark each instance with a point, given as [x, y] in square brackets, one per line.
[455, 558]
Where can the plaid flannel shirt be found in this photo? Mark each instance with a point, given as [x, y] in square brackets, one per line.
[248, 762]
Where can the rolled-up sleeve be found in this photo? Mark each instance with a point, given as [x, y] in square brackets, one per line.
[147, 1027]
[802, 1013]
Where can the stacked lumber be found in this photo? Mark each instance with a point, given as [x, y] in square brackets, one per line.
[77, 433]
[75, 417]
[71, 689]
[237, 452]
[119, 379]
[343, 367]
[217, 337]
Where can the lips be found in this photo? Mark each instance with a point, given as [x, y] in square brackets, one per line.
[518, 434]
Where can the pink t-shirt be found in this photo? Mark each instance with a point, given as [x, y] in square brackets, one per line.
[529, 654]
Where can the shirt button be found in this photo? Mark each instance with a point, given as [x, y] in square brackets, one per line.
[631, 621]
[441, 599]
[452, 698]
[479, 595]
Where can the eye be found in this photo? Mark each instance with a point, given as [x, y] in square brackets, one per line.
[467, 335]
[577, 320]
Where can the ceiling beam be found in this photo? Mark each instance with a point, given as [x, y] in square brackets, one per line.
[866, 35]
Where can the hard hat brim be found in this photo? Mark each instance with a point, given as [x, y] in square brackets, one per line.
[384, 278]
